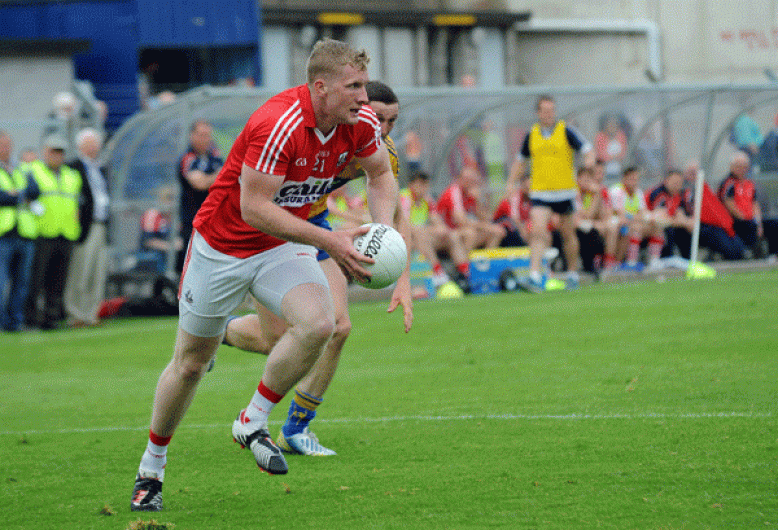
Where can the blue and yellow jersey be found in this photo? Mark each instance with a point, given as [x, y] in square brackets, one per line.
[353, 171]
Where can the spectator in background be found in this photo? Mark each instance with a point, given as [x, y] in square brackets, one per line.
[633, 222]
[462, 208]
[738, 194]
[429, 233]
[513, 214]
[768, 151]
[62, 119]
[668, 206]
[552, 145]
[598, 178]
[747, 136]
[716, 224]
[6, 149]
[60, 188]
[88, 270]
[28, 154]
[18, 230]
[596, 234]
[650, 153]
[155, 237]
[492, 154]
[197, 170]
[610, 145]
[413, 150]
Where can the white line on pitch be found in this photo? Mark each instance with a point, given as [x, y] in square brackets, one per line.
[356, 421]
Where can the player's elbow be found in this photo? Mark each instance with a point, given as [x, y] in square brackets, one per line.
[250, 213]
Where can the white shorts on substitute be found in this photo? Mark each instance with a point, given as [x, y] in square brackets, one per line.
[214, 284]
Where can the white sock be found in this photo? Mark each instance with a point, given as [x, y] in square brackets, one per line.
[536, 276]
[154, 460]
[259, 408]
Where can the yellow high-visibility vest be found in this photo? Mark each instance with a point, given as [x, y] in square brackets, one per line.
[59, 197]
[18, 216]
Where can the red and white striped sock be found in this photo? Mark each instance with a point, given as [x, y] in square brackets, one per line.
[261, 405]
[154, 459]
[633, 251]
[655, 245]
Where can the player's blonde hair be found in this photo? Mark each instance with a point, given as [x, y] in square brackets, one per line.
[329, 56]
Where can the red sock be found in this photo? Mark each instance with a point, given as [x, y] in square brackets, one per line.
[655, 245]
[437, 269]
[633, 252]
[464, 268]
[269, 394]
[159, 440]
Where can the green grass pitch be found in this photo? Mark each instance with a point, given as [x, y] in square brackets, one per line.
[626, 406]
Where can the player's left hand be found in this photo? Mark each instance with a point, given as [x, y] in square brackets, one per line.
[402, 296]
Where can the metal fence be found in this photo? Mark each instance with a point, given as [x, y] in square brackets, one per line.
[665, 126]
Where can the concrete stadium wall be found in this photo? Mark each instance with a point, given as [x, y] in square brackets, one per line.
[710, 41]
[27, 85]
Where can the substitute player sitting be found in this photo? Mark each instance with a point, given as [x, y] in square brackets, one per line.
[259, 332]
[634, 221]
[429, 233]
[252, 236]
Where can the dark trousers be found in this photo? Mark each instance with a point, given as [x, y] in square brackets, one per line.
[746, 231]
[677, 237]
[591, 245]
[44, 307]
[713, 237]
[771, 234]
[16, 255]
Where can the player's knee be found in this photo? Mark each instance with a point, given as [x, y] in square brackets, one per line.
[342, 329]
[317, 329]
[192, 368]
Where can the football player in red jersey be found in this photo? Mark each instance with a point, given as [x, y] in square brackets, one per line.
[259, 332]
[252, 236]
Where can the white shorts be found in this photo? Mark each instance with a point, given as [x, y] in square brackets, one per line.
[214, 284]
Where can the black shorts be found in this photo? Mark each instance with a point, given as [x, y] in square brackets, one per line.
[565, 207]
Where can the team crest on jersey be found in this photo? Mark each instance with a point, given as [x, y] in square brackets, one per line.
[342, 158]
[295, 194]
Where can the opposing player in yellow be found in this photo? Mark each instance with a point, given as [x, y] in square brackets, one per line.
[259, 332]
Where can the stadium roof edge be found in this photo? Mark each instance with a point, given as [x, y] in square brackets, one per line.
[44, 46]
[393, 17]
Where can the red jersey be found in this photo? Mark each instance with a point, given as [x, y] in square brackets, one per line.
[455, 199]
[660, 197]
[742, 191]
[516, 206]
[281, 139]
[712, 211]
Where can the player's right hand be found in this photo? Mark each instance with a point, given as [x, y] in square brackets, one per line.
[346, 256]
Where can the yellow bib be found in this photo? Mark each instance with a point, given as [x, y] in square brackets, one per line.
[552, 160]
